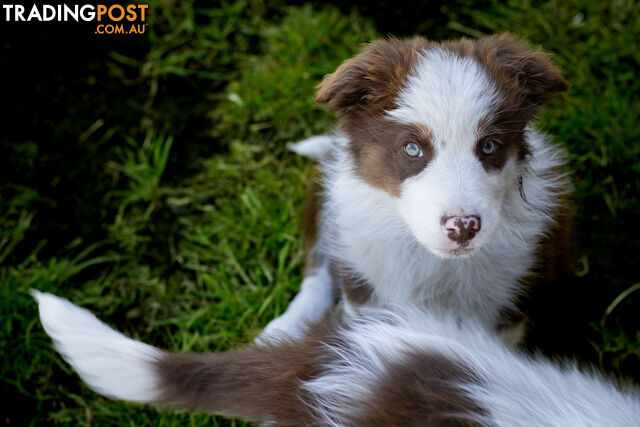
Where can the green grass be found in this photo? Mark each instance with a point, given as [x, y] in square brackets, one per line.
[171, 207]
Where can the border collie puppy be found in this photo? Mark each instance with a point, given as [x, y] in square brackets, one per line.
[374, 368]
[437, 192]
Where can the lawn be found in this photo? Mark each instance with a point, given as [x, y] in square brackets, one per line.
[149, 181]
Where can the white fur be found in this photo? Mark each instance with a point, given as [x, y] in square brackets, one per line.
[106, 360]
[514, 389]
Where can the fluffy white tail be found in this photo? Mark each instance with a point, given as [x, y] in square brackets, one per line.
[107, 361]
[255, 383]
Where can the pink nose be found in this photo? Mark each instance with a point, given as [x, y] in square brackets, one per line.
[461, 229]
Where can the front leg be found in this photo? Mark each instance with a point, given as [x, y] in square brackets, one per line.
[311, 305]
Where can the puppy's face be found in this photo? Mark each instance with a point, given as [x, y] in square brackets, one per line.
[441, 127]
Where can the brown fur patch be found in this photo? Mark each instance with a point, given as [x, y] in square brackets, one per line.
[508, 139]
[526, 77]
[356, 290]
[556, 252]
[312, 206]
[423, 389]
[368, 82]
[264, 383]
[257, 383]
[555, 263]
[378, 145]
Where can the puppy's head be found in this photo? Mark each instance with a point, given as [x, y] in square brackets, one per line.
[440, 126]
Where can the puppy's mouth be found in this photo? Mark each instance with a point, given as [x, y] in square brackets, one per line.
[455, 252]
[459, 252]
[462, 250]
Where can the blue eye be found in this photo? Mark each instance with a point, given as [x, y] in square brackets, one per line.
[489, 147]
[412, 150]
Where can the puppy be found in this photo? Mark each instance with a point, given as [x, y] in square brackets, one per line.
[375, 368]
[437, 193]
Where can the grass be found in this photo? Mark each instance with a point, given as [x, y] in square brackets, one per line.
[166, 201]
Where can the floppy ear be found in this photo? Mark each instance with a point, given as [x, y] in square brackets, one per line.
[371, 79]
[529, 72]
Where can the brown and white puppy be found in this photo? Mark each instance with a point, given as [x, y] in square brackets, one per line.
[437, 193]
[374, 368]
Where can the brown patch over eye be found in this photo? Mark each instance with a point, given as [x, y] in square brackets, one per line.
[506, 132]
[493, 161]
[360, 91]
[378, 147]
